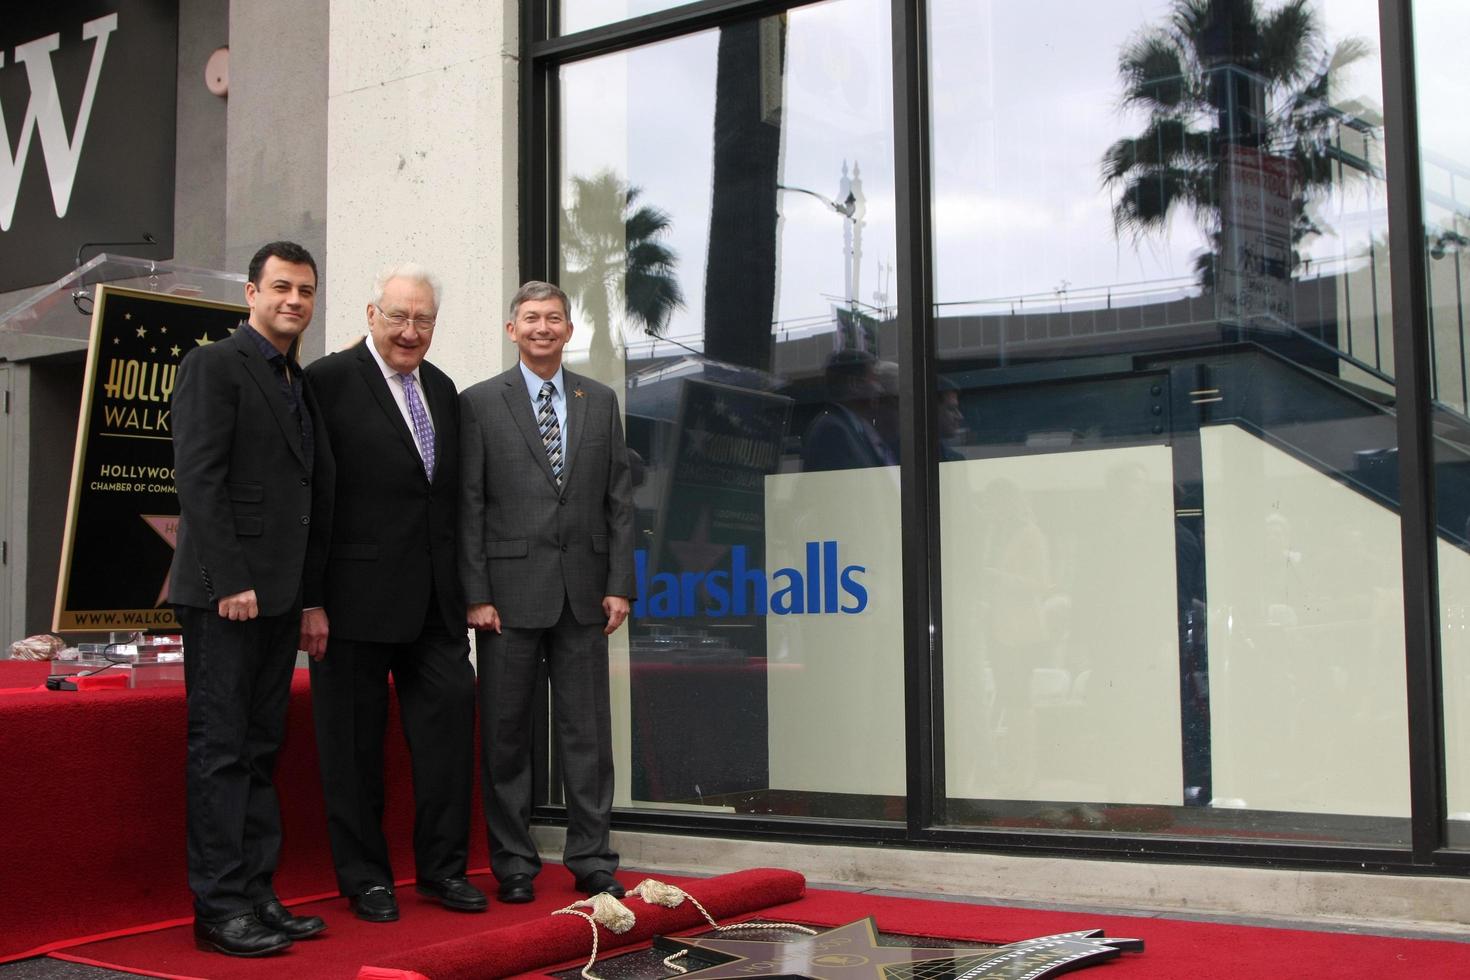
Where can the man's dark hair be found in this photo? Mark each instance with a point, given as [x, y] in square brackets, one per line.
[286, 252]
[849, 364]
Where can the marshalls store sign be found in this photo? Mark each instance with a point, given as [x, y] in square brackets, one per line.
[88, 94]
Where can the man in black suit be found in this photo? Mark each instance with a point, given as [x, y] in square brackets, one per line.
[843, 435]
[250, 460]
[393, 603]
[547, 532]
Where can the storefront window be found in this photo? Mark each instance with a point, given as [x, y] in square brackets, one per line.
[1170, 535]
[583, 15]
[1445, 171]
[727, 237]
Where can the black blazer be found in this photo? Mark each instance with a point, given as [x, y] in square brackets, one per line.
[248, 497]
[394, 533]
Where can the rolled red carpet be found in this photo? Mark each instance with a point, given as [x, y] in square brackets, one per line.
[550, 939]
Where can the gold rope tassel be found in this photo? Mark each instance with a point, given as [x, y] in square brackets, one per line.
[656, 892]
[608, 912]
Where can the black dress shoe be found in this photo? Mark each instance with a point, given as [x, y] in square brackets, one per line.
[244, 935]
[274, 915]
[454, 893]
[599, 883]
[517, 889]
[374, 904]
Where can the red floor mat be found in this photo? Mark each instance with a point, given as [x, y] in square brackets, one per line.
[526, 941]
[94, 813]
[506, 939]
[1173, 949]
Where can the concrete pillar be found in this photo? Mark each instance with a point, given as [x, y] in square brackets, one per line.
[421, 166]
[276, 174]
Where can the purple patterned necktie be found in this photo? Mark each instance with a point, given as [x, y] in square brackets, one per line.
[550, 428]
[423, 432]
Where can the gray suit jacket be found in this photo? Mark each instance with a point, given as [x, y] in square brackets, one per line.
[526, 544]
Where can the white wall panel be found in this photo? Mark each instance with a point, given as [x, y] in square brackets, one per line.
[1061, 664]
[1307, 690]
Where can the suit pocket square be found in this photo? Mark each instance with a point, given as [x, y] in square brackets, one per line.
[517, 548]
[249, 527]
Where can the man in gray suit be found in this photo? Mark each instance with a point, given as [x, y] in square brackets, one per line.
[546, 521]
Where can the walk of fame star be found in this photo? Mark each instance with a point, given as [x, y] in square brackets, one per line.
[852, 952]
[167, 528]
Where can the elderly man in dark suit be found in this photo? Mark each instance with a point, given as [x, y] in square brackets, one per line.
[250, 461]
[393, 603]
[547, 532]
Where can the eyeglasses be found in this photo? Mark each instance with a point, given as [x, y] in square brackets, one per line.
[422, 324]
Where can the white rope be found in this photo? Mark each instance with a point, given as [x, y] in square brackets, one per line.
[617, 917]
[672, 896]
[587, 973]
[611, 913]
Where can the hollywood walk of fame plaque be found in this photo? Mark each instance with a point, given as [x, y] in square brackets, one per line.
[853, 952]
[122, 514]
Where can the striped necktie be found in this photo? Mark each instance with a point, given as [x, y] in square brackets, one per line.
[550, 428]
[423, 430]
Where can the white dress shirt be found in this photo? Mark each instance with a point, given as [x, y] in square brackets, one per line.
[395, 387]
[558, 402]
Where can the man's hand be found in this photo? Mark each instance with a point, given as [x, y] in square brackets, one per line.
[483, 616]
[240, 606]
[616, 608]
[314, 631]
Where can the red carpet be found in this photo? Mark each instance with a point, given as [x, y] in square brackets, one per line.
[506, 940]
[21, 675]
[1173, 949]
[93, 844]
[94, 828]
[526, 941]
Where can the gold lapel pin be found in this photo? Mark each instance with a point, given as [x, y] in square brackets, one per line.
[580, 393]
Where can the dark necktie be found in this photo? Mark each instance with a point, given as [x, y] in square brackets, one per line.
[550, 428]
[423, 432]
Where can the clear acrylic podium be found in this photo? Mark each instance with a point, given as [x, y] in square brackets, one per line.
[58, 317]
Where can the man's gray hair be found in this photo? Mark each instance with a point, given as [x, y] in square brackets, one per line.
[411, 271]
[537, 290]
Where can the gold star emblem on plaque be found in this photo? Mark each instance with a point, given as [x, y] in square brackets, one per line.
[203, 340]
[174, 350]
[851, 952]
[142, 331]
